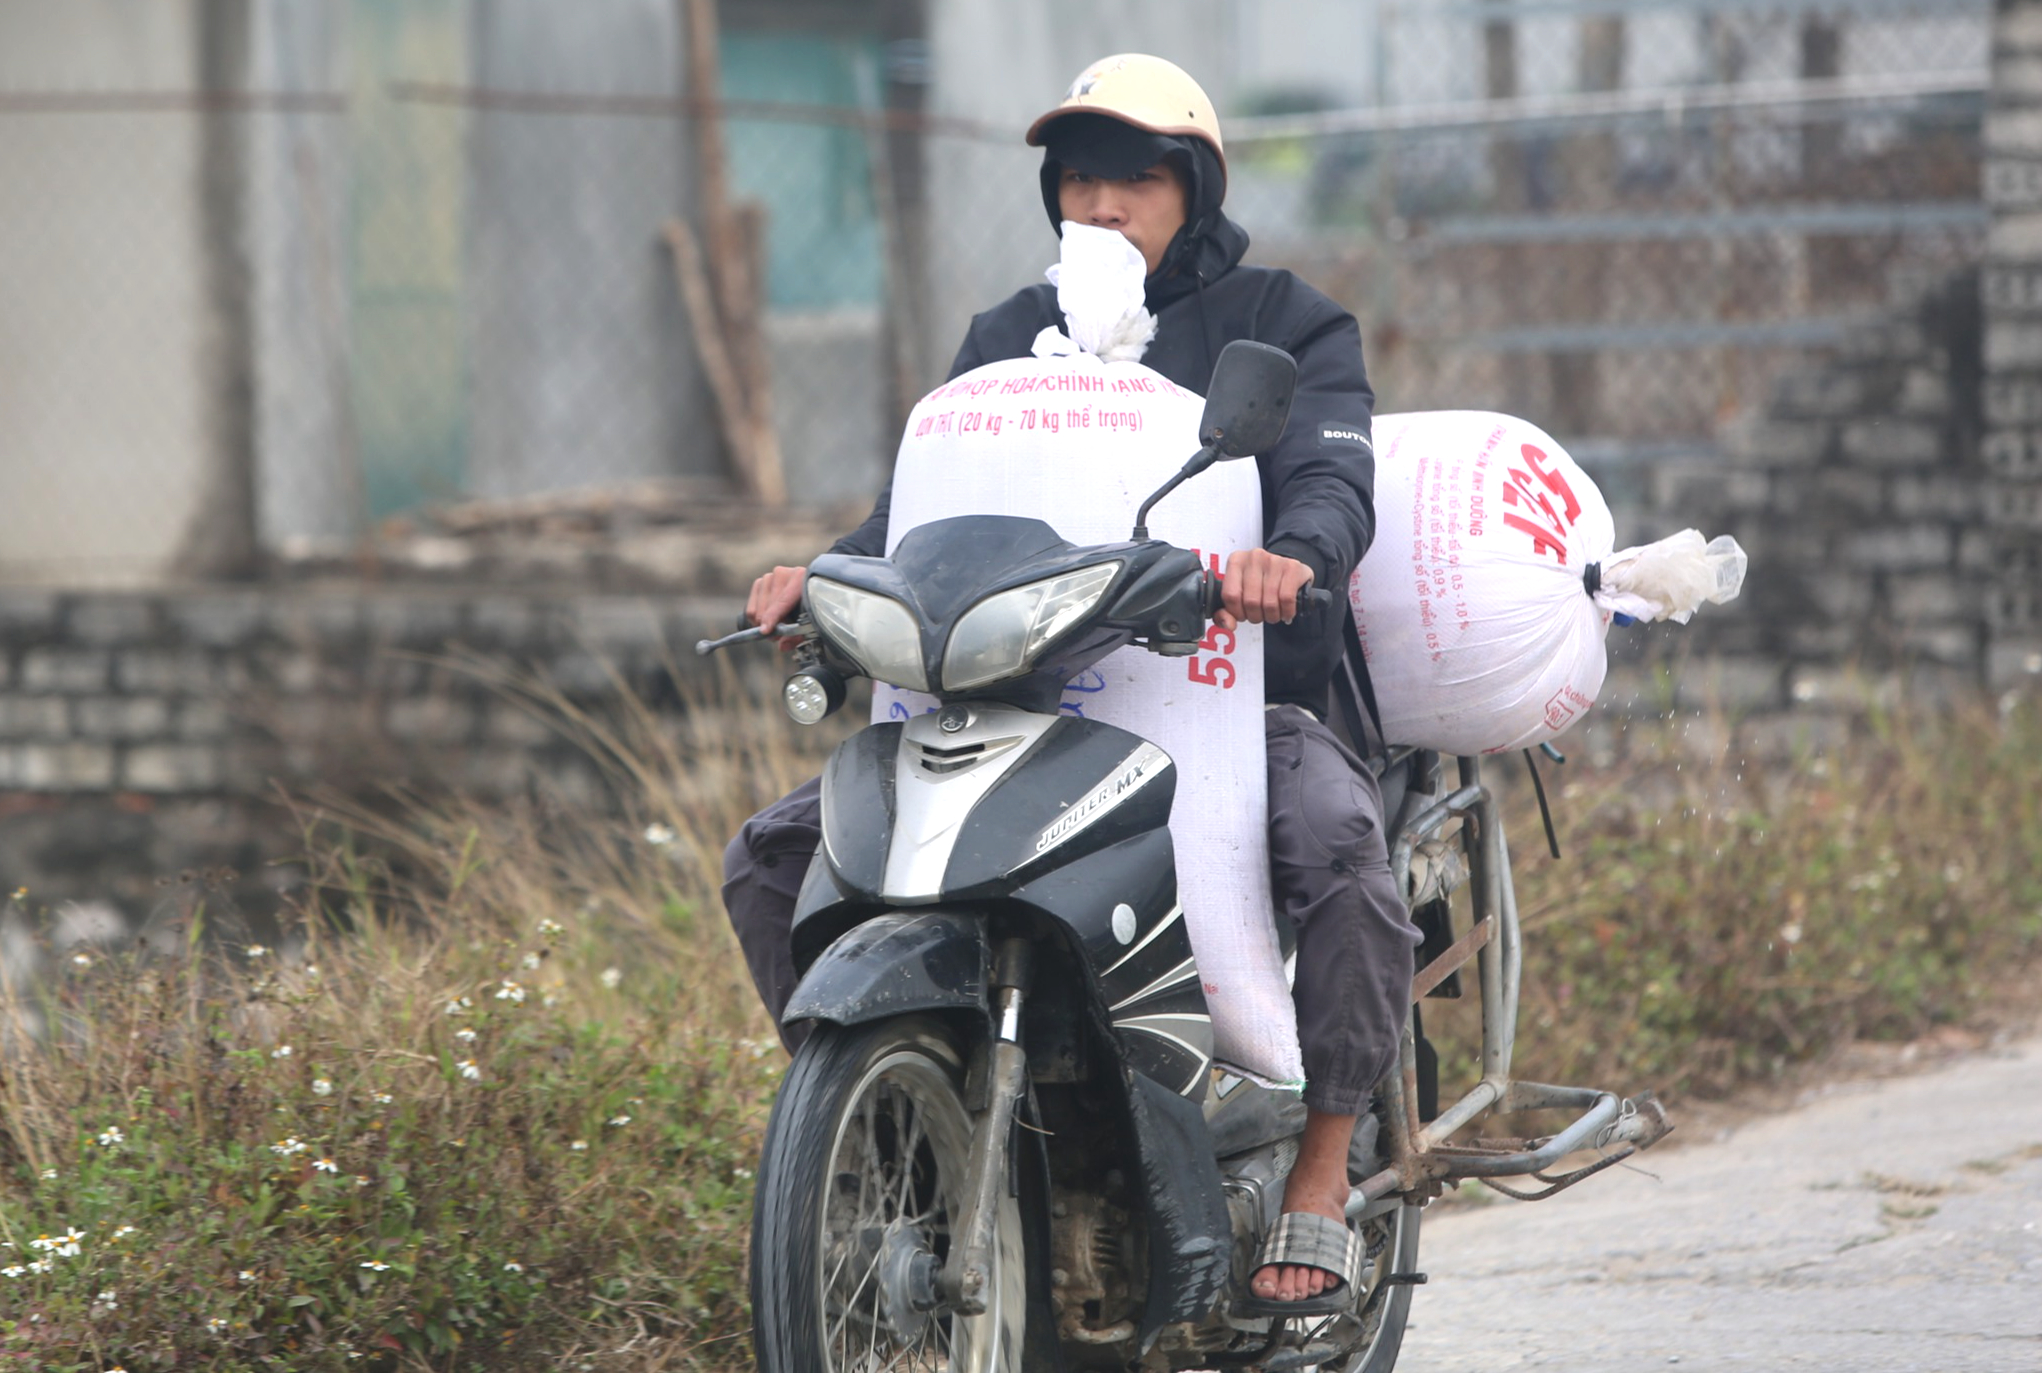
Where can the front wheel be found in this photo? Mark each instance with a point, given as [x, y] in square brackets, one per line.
[861, 1183]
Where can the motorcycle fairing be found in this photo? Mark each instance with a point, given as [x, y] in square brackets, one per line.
[857, 809]
[1085, 786]
[1121, 904]
[896, 964]
[1080, 833]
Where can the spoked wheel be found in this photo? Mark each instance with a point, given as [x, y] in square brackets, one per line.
[1393, 1245]
[861, 1187]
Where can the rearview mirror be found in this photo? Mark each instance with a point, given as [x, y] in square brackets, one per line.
[1248, 403]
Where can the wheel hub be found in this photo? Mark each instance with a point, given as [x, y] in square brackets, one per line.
[907, 1279]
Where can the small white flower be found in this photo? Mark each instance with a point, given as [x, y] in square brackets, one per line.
[82, 960]
[659, 836]
[258, 950]
[465, 1036]
[281, 1051]
[49, 1175]
[376, 1265]
[460, 1007]
[245, 1275]
[580, 1146]
[1790, 933]
[12, 1270]
[311, 970]
[510, 991]
[742, 1172]
[361, 1181]
[124, 1232]
[321, 1087]
[529, 961]
[216, 1325]
[469, 1070]
[111, 1136]
[383, 1098]
[325, 1165]
[620, 1120]
[64, 1245]
[549, 928]
[107, 1298]
[611, 977]
[40, 1266]
[514, 1268]
[284, 1148]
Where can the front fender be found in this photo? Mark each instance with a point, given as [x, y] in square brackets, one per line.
[896, 964]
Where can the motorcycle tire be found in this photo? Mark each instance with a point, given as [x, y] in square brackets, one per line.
[861, 1181]
[1390, 1308]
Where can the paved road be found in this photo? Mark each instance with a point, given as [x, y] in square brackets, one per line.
[1883, 1225]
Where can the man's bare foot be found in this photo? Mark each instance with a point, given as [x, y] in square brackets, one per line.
[1317, 1183]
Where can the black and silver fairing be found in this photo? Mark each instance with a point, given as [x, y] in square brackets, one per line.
[1068, 816]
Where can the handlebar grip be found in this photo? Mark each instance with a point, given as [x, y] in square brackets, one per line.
[1312, 600]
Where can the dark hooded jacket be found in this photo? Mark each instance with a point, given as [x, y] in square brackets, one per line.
[1317, 482]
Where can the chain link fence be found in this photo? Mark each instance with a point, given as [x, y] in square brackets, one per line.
[281, 321]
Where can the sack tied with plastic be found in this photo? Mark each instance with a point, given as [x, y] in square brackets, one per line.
[1485, 600]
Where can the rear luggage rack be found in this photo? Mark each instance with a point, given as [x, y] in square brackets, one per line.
[1421, 1157]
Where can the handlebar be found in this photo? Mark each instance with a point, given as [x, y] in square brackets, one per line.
[1312, 600]
[705, 647]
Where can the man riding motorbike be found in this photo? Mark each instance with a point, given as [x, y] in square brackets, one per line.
[1135, 147]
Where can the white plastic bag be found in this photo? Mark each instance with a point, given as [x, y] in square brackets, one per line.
[1484, 602]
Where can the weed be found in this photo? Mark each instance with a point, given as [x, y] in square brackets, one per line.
[496, 1102]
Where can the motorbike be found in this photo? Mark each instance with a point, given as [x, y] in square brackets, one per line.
[1005, 1143]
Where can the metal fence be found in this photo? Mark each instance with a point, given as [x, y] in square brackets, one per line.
[314, 309]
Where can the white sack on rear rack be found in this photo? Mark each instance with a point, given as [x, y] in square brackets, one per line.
[1078, 443]
[1483, 604]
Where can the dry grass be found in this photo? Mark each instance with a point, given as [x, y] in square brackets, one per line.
[1718, 920]
[553, 1159]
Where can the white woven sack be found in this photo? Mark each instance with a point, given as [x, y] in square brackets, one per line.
[1078, 443]
[1480, 633]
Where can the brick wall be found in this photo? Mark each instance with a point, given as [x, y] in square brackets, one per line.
[1860, 494]
[2011, 451]
[222, 691]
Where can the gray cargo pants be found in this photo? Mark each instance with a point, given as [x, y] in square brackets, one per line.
[1329, 870]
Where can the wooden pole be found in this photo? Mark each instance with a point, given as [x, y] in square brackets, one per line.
[737, 308]
[710, 342]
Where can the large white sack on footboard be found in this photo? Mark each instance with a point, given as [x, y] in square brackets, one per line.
[1078, 443]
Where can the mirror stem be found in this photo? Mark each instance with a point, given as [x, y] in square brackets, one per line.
[1202, 459]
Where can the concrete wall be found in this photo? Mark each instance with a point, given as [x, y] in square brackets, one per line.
[583, 363]
[109, 374]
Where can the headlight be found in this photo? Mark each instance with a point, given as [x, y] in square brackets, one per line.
[877, 631]
[997, 637]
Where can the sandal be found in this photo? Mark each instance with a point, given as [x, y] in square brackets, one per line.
[1309, 1241]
